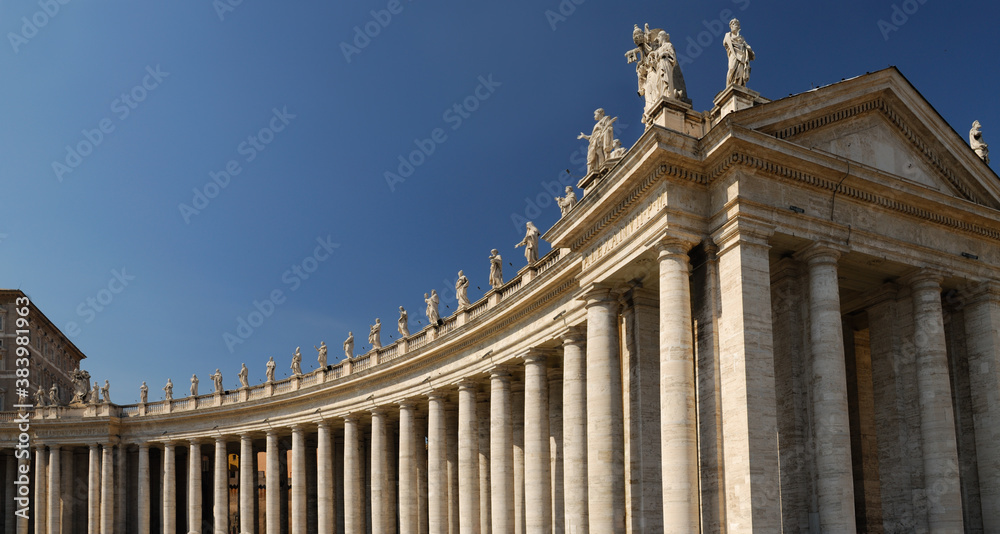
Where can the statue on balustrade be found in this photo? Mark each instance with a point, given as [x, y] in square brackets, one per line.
[54, 395]
[567, 202]
[600, 138]
[106, 392]
[217, 381]
[617, 150]
[270, 369]
[297, 363]
[81, 386]
[321, 357]
[976, 142]
[143, 392]
[530, 243]
[244, 376]
[375, 334]
[403, 324]
[462, 291]
[349, 345]
[41, 398]
[95, 394]
[194, 385]
[496, 269]
[740, 54]
[433, 317]
[168, 391]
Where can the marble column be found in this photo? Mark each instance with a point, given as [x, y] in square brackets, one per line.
[272, 484]
[451, 431]
[324, 479]
[937, 417]
[483, 421]
[221, 502]
[41, 489]
[10, 468]
[23, 466]
[678, 421]
[575, 430]
[108, 489]
[501, 453]
[537, 458]
[437, 476]
[54, 503]
[558, 507]
[121, 470]
[834, 477]
[94, 491]
[194, 486]
[982, 333]
[468, 458]
[169, 489]
[354, 498]
[407, 469]
[381, 486]
[142, 504]
[299, 512]
[605, 439]
[248, 489]
[517, 416]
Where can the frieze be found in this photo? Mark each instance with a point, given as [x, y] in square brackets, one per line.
[623, 230]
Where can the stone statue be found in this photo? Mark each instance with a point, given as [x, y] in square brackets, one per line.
[375, 334]
[41, 398]
[143, 393]
[81, 386]
[217, 381]
[297, 363]
[462, 291]
[321, 356]
[403, 323]
[740, 54]
[168, 391]
[617, 150]
[977, 144]
[433, 317]
[656, 68]
[244, 376]
[349, 345]
[194, 385]
[600, 141]
[270, 369]
[54, 395]
[496, 269]
[530, 243]
[95, 394]
[567, 202]
[106, 392]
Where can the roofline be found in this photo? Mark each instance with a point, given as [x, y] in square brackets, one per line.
[45, 320]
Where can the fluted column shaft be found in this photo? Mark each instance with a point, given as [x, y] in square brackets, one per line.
[54, 503]
[142, 506]
[501, 453]
[437, 466]
[108, 490]
[169, 489]
[94, 491]
[835, 481]
[605, 441]
[354, 498]
[248, 490]
[407, 470]
[324, 479]
[272, 485]
[194, 487]
[537, 457]
[299, 513]
[221, 501]
[381, 488]
[468, 458]
[575, 431]
[937, 419]
[41, 489]
[678, 421]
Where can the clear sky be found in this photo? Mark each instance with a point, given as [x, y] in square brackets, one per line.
[118, 114]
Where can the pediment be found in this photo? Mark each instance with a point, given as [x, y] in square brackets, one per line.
[880, 121]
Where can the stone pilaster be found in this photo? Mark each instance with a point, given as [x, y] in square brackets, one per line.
[501, 453]
[437, 477]
[468, 458]
[574, 412]
[982, 333]
[537, 456]
[408, 451]
[832, 440]
[324, 479]
[220, 501]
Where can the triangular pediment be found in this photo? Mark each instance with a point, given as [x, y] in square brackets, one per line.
[880, 121]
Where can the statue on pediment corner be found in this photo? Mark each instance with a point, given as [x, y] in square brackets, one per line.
[976, 142]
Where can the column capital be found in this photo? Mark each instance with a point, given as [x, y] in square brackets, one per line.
[924, 279]
[977, 292]
[574, 335]
[437, 394]
[220, 439]
[596, 294]
[501, 373]
[742, 230]
[54, 447]
[379, 411]
[536, 355]
[323, 424]
[468, 383]
[353, 417]
[886, 293]
[821, 252]
[407, 404]
[676, 242]
[787, 267]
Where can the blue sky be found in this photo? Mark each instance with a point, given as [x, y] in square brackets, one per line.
[309, 118]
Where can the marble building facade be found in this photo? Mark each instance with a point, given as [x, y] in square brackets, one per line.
[768, 317]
